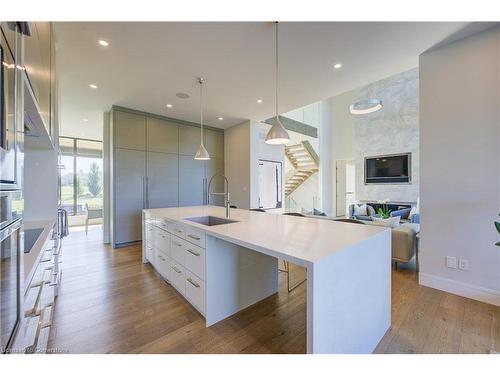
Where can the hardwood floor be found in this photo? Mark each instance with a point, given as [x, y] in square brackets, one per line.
[110, 302]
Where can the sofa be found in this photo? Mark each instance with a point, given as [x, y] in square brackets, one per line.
[403, 240]
[403, 212]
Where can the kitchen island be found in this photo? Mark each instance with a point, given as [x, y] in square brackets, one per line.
[221, 267]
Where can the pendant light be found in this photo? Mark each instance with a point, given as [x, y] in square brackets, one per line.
[201, 153]
[277, 135]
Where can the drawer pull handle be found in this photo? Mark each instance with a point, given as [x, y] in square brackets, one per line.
[191, 281]
[178, 230]
[33, 310]
[194, 237]
[176, 269]
[177, 243]
[193, 252]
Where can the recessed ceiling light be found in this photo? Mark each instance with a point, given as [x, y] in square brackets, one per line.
[337, 66]
[92, 86]
[182, 95]
[103, 43]
[85, 120]
[169, 105]
[259, 101]
[221, 118]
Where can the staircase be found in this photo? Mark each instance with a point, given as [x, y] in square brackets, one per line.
[305, 162]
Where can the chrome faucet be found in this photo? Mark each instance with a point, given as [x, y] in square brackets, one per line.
[225, 193]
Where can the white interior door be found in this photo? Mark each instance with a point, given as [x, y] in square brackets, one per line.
[345, 183]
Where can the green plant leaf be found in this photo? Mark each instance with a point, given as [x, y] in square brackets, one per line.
[497, 225]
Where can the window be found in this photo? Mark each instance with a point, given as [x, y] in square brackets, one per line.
[81, 175]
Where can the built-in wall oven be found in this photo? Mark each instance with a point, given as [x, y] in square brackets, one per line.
[8, 72]
[11, 248]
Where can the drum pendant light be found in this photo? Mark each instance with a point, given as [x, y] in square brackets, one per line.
[277, 135]
[201, 153]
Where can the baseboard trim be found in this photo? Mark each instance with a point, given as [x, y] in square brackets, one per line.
[478, 293]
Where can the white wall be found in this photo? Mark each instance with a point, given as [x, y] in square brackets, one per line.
[244, 145]
[460, 165]
[392, 130]
[40, 182]
[237, 165]
[342, 138]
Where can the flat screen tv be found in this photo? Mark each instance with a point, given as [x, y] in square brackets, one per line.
[388, 169]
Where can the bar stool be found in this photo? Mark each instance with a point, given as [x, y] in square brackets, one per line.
[287, 264]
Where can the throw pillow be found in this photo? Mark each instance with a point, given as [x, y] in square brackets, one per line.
[318, 212]
[361, 210]
[303, 211]
[391, 222]
[413, 211]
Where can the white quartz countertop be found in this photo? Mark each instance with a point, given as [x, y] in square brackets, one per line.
[301, 240]
[31, 258]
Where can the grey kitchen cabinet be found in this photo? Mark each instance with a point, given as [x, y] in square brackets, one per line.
[189, 140]
[153, 166]
[129, 195]
[192, 183]
[162, 179]
[129, 130]
[162, 136]
[214, 142]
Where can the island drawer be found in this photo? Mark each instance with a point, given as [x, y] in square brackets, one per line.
[194, 259]
[162, 241]
[177, 249]
[149, 233]
[195, 291]
[162, 224]
[150, 254]
[163, 265]
[177, 229]
[195, 236]
[177, 277]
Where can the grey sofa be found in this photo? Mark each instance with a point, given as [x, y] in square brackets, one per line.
[404, 241]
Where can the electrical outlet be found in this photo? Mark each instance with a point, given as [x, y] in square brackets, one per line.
[451, 262]
[463, 264]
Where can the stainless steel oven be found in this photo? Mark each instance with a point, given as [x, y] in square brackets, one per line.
[10, 295]
[8, 72]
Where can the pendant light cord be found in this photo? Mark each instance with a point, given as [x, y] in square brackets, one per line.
[277, 69]
[201, 108]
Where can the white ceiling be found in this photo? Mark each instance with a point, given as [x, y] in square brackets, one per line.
[146, 64]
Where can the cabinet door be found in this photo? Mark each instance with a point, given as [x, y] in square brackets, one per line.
[33, 59]
[214, 141]
[129, 171]
[129, 130]
[162, 136]
[162, 179]
[191, 181]
[212, 167]
[189, 140]
[44, 75]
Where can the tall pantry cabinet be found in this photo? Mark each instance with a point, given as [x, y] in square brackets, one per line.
[152, 166]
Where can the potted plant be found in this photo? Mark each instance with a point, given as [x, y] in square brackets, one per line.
[384, 211]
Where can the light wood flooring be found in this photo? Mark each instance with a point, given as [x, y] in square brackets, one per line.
[110, 302]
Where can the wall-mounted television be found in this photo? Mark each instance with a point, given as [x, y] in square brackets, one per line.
[388, 169]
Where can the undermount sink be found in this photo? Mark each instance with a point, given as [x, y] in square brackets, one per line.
[210, 220]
